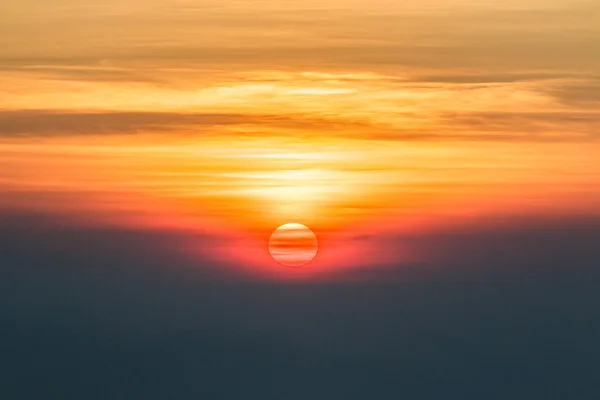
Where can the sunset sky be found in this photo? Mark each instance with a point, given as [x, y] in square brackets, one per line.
[232, 118]
[141, 139]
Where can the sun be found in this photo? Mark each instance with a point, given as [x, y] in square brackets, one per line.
[293, 245]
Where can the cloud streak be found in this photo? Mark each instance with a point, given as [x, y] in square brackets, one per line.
[569, 127]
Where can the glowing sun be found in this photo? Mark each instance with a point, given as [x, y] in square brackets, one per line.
[293, 245]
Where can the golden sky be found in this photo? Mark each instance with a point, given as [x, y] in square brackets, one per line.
[234, 117]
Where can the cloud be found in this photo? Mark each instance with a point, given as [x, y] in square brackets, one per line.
[584, 94]
[16, 123]
[567, 126]
[480, 77]
[79, 70]
[501, 126]
[45, 122]
[492, 36]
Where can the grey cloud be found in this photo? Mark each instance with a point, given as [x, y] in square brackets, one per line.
[474, 126]
[477, 77]
[583, 94]
[40, 122]
[85, 72]
[525, 54]
[533, 126]
[15, 123]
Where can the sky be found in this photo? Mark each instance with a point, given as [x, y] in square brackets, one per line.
[445, 153]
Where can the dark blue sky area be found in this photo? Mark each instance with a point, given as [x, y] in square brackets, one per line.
[92, 313]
